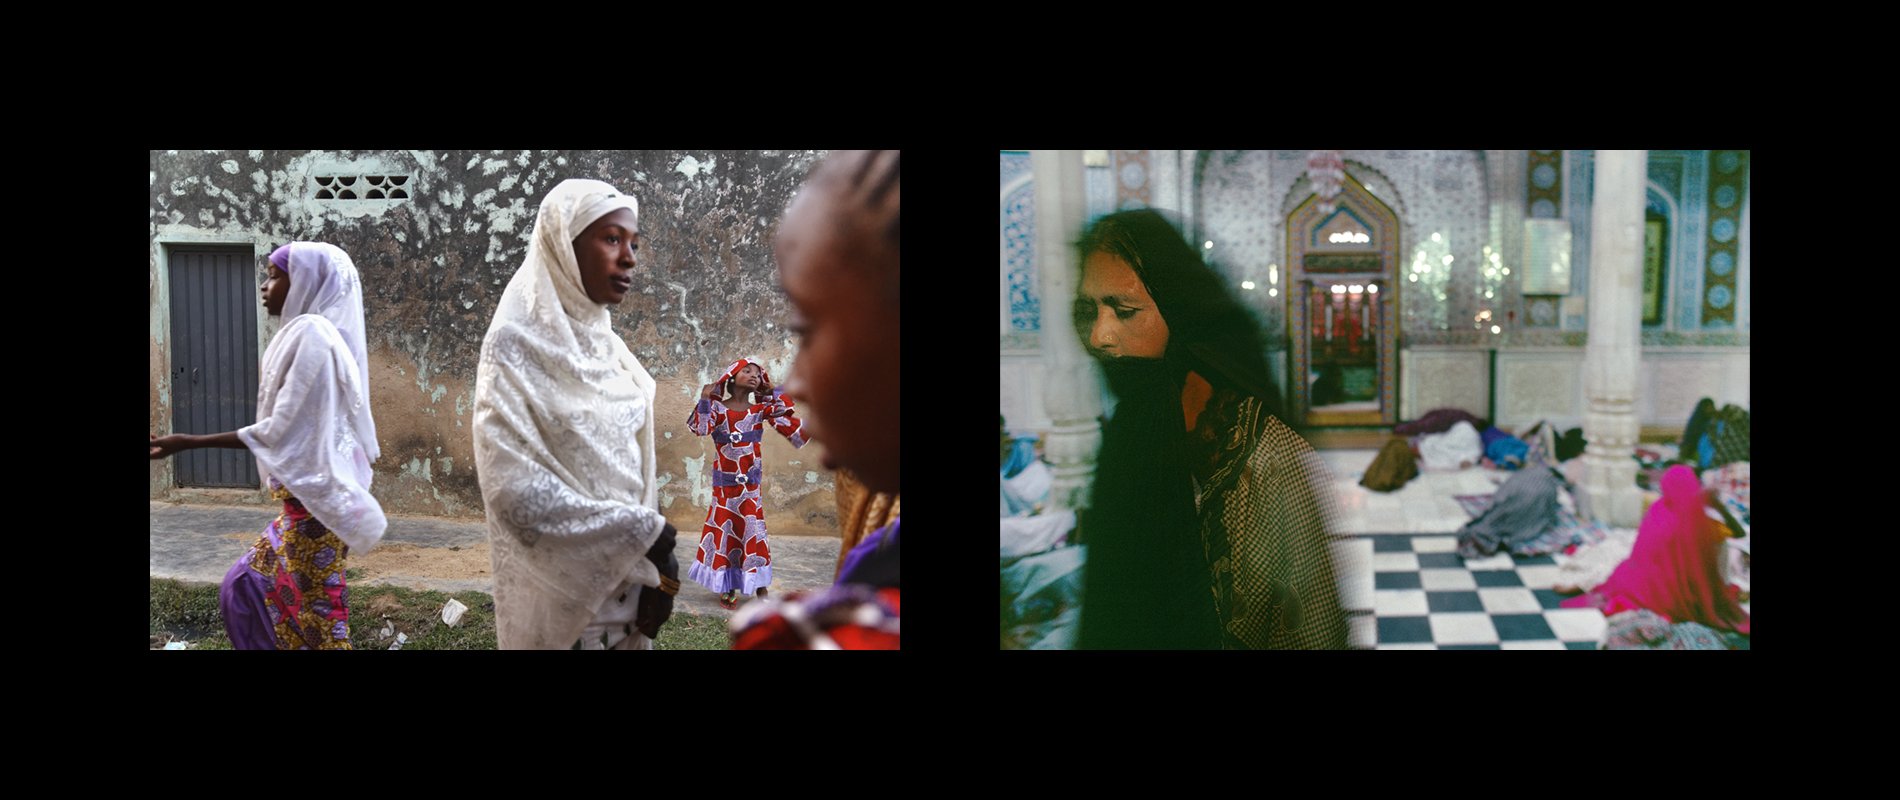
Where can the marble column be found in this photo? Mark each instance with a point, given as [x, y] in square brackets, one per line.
[1071, 386]
[1614, 353]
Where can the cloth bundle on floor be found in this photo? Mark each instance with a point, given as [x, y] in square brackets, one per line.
[1457, 448]
[1591, 565]
[1524, 508]
[1503, 449]
[1392, 468]
[1437, 420]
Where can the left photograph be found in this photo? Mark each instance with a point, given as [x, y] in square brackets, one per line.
[523, 399]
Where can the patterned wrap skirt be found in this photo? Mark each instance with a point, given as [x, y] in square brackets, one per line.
[287, 592]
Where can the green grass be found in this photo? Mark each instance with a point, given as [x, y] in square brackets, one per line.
[189, 612]
[690, 632]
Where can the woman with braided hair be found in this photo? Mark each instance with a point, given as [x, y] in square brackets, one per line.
[838, 258]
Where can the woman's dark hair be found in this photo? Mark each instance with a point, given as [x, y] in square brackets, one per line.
[1209, 330]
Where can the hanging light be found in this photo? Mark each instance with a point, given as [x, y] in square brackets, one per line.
[1326, 170]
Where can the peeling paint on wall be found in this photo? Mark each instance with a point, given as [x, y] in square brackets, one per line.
[701, 480]
[435, 265]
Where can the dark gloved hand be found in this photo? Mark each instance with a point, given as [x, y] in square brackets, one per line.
[655, 606]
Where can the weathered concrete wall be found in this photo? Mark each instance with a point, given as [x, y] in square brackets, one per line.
[434, 267]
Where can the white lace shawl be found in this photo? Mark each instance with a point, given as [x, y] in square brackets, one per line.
[306, 434]
[563, 442]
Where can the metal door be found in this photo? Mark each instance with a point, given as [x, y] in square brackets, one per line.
[214, 303]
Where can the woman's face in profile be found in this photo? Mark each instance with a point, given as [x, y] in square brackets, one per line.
[846, 319]
[276, 287]
[1114, 309]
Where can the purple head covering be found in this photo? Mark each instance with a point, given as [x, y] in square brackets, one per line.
[281, 258]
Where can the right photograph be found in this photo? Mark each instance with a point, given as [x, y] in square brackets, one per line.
[1374, 399]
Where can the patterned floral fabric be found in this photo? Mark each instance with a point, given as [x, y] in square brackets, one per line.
[302, 562]
[733, 554]
[1643, 629]
[843, 617]
[1730, 482]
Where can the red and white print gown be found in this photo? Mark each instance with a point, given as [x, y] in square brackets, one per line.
[732, 549]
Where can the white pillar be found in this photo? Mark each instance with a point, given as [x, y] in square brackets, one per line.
[1614, 352]
[1071, 389]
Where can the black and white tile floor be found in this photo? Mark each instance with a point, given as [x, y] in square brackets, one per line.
[1408, 589]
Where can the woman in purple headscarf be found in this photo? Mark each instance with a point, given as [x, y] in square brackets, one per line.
[314, 441]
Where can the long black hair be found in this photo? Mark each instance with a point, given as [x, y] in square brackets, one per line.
[1209, 330]
[1148, 584]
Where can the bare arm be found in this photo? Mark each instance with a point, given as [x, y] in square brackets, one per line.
[163, 446]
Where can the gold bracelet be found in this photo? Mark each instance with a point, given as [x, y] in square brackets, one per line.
[669, 585]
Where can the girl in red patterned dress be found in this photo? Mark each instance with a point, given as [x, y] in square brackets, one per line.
[733, 558]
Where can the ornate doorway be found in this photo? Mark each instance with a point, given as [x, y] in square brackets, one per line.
[1343, 310]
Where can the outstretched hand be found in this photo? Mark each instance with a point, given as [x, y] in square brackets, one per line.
[708, 391]
[169, 444]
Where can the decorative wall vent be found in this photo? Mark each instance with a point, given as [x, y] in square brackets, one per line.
[362, 187]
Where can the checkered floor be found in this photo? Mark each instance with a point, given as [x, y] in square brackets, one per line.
[1408, 589]
[1420, 595]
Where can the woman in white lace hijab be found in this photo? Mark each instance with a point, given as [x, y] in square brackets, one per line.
[564, 440]
[314, 441]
